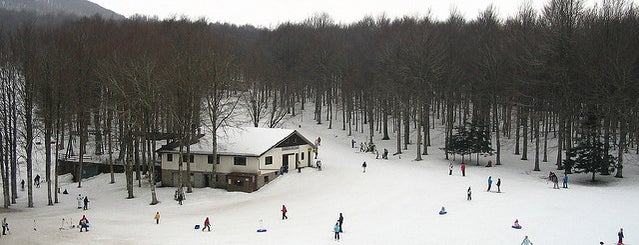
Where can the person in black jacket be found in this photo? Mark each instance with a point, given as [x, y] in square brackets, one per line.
[341, 221]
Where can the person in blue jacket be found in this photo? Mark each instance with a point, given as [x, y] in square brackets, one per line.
[620, 235]
[336, 229]
[490, 182]
[565, 181]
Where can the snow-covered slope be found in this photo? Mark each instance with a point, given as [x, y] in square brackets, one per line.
[395, 202]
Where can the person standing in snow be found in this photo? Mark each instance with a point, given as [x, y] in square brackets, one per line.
[157, 218]
[526, 241]
[463, 169]
[319, 141]
[469, 193]
[180, 197]
[353, 143]
[620, 235]
[340, 220]
[376, 154]
[37, 181]
[79, 198]
[22, 185]
[207, 224]
[450, 169]
[385, 154]
[284, 212]
[565, 181]
[5, 226]
[86, 202]
[337, 231]
[490, 182]
[555, 181]
[364, 167]
[498, 185]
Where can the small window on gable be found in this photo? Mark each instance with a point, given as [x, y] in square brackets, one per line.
[210, 159]
[239, 161]
[268, 160]
[169, 157]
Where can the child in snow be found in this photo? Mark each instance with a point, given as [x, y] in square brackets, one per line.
[337, 230]
[284, 212]
[364, 167]
[22, 185]
[555, 181]
[565, 181]
[490, 182]
[86, 202]
[526, 241]
[450, 169]
[385, 154]
[84, 223]
[207, 224]
[469, 192]
[353, 143]
[516, 224]
[443, 210]
[620, 235]
[489, 164]
[157, 218]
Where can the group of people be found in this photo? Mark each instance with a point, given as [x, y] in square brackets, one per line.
[555, 180]
[338, 226]
[463, 169]
[83, 202]
[490, 183]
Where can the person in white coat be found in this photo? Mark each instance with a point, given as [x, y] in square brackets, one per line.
[526, 241]
[80, 201]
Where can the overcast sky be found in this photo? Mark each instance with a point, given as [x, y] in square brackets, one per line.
[270, 13]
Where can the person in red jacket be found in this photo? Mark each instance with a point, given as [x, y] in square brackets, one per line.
[207, 224]
[284, 212]
[463, 169]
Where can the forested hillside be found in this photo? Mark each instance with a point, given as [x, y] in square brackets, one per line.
[564, 73]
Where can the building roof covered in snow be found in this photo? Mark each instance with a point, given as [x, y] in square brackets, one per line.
[247, 141]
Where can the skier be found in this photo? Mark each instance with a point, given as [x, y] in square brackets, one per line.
[469, 192]
[450, 169]
[84, 223]
[37, 180]
[337, 231]
[341, 222]
[157, 218]
[498, 185]
[353, 143]
[5, 226]
[86, 202]
[79, 198]
[207, 224]
[526, 241]
[565, 181]
[463, 169]
[490, 182]
[364, 167]
[620, 235]
[284, 212]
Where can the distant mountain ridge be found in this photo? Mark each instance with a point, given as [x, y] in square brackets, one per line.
[73, 7]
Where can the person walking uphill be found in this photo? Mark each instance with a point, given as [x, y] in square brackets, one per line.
[450, 169]
[284, 212]
[364, 167]
[490, 182]
[157, 218]
[469, 193]
[207, 224]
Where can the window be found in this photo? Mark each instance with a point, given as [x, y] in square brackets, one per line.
[239, 161]
[169, 157]
[191, 158]
[210, 159]
[239, 183]
[268, 160]
[302, 155]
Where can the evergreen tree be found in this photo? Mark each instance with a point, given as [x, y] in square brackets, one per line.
[590, 155]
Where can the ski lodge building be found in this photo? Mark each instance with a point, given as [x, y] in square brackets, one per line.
[248, 158]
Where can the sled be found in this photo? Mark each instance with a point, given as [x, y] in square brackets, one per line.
[516, 227]
[261, 230]
[197, 227]
[442, 213]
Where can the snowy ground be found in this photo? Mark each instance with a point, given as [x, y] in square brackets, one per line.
[395, 202]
